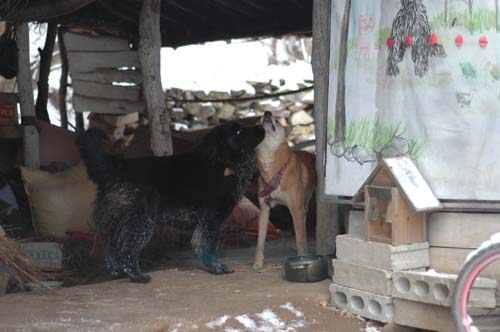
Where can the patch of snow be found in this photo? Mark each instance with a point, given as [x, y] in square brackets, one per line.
[371, 329]
[434, 273]
[271, 318]
[292, 309]
[51, 325]
[246, 321]
[268, 321]
[218, 322]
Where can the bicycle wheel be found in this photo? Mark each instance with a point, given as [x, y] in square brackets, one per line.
[468, 314]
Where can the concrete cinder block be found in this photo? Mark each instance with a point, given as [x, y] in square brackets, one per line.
[363, 278]
[423, 315]
[357, 223]
[365, 304]
[437, 288]
[47, 256]
[382, 256]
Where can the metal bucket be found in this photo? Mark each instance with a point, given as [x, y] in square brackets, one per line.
[309, 268]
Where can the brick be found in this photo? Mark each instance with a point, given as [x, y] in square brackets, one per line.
[47, 256]
[365, 304]
[437, 288]
[382, 256]
[363, 278]
[423, 315]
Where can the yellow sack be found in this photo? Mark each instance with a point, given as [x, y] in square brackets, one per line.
[60, 202]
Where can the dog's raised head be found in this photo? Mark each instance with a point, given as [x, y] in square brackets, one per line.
[231, 142]
[276, 134]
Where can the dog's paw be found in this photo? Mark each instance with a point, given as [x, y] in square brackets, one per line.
[219, 268]
[141, 278]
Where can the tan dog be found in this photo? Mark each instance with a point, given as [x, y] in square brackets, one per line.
[286, 177]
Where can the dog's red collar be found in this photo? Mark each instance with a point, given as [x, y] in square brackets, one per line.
[273, 184]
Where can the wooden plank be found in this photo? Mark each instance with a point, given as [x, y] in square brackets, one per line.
[382, 178]
[31, 151]
[106, 91]
[150, 60]
[378, 177]
[327, 219]
[87, 42]
[451, 260]
[471, 206]
[110, 76]
[461, 230]
[31, 155]
[106, 106]
[45, 10]
[413, 185]
[407, 227]
[63, 82]
[85, 62]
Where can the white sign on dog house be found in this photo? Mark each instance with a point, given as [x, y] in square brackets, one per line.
[428, 90]
[403, 174]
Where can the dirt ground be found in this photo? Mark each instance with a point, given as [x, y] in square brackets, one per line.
[184, 298]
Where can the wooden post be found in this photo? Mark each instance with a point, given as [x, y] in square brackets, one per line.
[327, 221]
[79, 123]
[149, 56]
[63, 85]
[43, 78]
[24, 80]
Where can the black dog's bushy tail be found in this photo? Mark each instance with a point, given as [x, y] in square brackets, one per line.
[99, 164]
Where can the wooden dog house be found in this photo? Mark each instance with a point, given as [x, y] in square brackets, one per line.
[397, 199]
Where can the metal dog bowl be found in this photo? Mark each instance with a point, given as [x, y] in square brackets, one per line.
[309, 268]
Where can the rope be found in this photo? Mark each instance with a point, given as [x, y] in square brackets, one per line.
[236, 100]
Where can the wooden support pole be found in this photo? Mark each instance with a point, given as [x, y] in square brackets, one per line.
[79, 123]
[28, 119]
[327, 221]
[63, 85]
[44, 10]
[149, 56]
[43, 78]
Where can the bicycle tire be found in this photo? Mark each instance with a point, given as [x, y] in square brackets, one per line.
[470, 270]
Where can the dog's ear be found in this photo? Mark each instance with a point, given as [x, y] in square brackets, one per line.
[288, 130]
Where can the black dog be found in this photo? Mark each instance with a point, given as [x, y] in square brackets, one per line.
[194, 190]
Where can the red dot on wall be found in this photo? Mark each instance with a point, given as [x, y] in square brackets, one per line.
[459, 41]
[390, 42]
[433, 39]
[409, 41]
[483, 42]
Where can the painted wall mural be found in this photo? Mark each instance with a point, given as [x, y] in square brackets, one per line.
[418, 78]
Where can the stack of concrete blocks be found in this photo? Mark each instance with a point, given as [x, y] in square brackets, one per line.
[390, 283]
